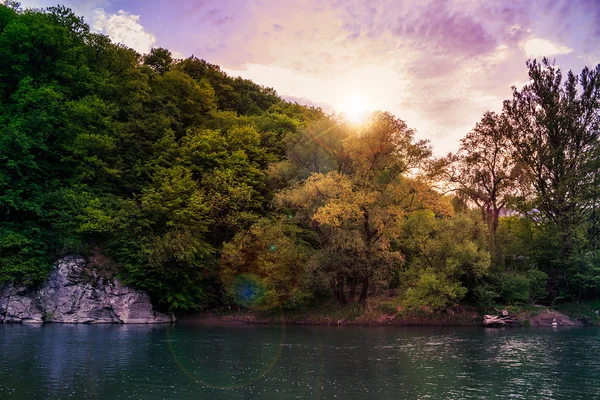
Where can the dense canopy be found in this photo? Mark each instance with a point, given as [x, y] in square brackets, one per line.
[208, 190]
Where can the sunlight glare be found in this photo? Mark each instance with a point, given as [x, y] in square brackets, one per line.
[355, 108]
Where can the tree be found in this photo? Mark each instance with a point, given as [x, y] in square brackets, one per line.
[185, 102]
[554, 132]
[140, 157]
[483, 170]
[443, 254]
[159, 59]
[358, 209]
[232, 94]
[315, 148]
[159, 238]
[264, 266]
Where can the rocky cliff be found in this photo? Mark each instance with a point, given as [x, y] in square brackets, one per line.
[70, 296]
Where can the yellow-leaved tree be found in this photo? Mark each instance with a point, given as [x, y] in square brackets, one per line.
[358, 209]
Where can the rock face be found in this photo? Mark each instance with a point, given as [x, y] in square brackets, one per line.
[67, 296]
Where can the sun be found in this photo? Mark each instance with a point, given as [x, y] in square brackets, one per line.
[354, 108]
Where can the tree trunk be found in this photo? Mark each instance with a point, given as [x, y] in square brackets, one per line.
[495, 217]
[567, 248]
[341, 294]
[334, 290]
[352, 290]
[364, 292]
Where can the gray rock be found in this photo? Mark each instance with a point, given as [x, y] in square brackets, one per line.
[17, 305]
[68, 297]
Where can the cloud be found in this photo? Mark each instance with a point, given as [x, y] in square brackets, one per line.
[437, 64]
[121, 26]
[124, 28]
[537, 47]
[433, 25]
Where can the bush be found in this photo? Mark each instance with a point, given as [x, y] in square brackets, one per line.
[434, 292]
[514, 288]
[538, 280]
[388, 308]
[485, 296]
[521, 288]
[264, 266]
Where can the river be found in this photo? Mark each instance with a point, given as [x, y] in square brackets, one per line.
[56, 361]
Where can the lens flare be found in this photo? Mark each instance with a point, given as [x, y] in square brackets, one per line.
[248, 290]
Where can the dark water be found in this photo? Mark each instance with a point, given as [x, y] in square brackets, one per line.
[183, 362]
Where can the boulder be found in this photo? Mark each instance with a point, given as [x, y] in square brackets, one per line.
[69, 295]
[17, 305]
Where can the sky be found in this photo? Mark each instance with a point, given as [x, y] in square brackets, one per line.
[437, 64]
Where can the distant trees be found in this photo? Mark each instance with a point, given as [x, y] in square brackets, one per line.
[153, 161]
[232, 94]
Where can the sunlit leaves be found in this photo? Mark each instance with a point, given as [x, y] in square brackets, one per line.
[358, 209]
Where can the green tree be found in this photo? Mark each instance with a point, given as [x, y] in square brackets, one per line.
[357, 210]
[272, 252]
[483, 171]
[554, 132]
[159, 59]
[443, 254]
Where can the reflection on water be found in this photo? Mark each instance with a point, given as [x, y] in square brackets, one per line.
[174, 362]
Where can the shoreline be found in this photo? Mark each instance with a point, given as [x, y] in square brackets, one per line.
[463, 317]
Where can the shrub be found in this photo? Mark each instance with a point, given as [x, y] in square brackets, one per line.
[521, 288]
[433, 292]
[485, 295]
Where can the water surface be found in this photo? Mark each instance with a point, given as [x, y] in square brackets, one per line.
[256, 362]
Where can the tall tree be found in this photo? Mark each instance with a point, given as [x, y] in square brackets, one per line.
[554, 130]
[159, 59]
[358, 209]
[483, 170]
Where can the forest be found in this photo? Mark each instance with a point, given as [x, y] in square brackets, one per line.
[211, 191]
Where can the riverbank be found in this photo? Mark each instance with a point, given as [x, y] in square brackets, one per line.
[384, 315]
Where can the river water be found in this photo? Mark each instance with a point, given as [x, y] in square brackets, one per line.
[258, 362]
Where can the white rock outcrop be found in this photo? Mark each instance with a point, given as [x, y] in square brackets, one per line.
[68, 297]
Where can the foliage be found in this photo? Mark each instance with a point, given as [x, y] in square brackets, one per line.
[443, 255]
[485, 295]
[516, 288]
[264, 266]
[205, 189]
[483, 172]
[554, 129]
[433, 292]
[140, 156]
[357, 210]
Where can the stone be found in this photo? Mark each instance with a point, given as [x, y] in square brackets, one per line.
[70, 296]
[16, 305]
